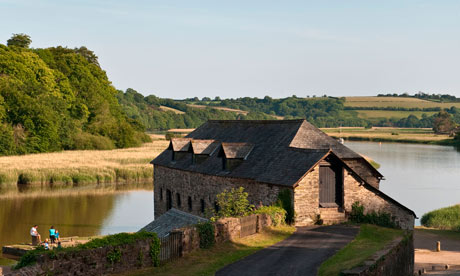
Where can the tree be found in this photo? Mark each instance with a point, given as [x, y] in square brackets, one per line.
[443, 123]
[19, 40]
[233, 203]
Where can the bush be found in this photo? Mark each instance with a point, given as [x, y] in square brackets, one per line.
[234, 203]
[285, 202]
[206, 232]
[170, 135]
[155, 248]
[276, 213]
[381, 219]
[445, 218]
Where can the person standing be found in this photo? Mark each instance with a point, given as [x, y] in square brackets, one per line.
[36, 239]
[52, 234]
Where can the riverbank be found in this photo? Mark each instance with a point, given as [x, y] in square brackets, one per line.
[390, 134]
[76, 168]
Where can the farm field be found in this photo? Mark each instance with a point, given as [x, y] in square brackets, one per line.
[74, 168]
[166, 108]
[395, 102]
[374, 114]
[389, 134]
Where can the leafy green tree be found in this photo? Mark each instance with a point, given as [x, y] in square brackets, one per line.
[19, 40]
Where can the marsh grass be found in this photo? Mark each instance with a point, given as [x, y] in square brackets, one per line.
[75, 168]
[447, 218]
[389, 134]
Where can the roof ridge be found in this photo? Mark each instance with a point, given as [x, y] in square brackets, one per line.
[258, 121]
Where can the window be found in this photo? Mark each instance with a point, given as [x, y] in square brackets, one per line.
[179, 203]
[189, 201]
[168, 200]
[203, 205]
[161, 194]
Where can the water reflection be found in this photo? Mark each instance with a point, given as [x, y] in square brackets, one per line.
[76, 212]
[422, 177]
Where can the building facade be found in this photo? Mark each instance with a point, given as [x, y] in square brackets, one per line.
[323, 176]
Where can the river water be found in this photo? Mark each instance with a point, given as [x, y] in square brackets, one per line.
[86, 211]
[421, 177]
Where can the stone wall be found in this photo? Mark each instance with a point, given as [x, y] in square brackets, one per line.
[354, 191]
[91, 261]
[225, 229]
[397, 258]
[306, 199]
[197, 186]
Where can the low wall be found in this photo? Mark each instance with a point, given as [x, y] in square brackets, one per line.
[226, 229]
[397, 258]
[91, 261]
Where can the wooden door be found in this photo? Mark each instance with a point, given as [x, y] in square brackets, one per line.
[327, 185]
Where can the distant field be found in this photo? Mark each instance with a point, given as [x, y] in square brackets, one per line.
[238, 111]
[369, 114]
[395, 102]
[165, 108]
[405, 135]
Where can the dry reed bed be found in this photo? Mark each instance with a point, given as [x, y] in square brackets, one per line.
[81, 167]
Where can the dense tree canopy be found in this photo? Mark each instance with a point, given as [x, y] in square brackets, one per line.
[59, 98]
[19, 40]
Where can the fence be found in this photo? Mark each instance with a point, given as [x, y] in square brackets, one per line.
[171, 247]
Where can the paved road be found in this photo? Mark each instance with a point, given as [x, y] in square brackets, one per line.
[300, 254]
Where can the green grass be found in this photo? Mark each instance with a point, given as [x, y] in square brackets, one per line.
[208, 261]
[447, 218]
[370, 239]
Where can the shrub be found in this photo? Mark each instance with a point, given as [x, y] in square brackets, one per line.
[234, 203]
[114, 256]
[155, 247]
[170, 135]
[445, 218]
[206, 232]
[381, 218]
[285, 201]
[276, 213]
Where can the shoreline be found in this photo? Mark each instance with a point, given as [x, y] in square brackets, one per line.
[445, 142]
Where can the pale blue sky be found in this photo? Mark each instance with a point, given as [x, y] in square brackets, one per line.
[236, 48]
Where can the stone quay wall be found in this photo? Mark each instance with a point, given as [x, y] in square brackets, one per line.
[91, 261]
[397, 258]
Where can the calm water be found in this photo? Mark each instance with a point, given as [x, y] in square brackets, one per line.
[421, 177]
[76, 213]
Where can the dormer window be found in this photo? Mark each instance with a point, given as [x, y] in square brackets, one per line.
[202, 149]
[180, 147]
[234, 154]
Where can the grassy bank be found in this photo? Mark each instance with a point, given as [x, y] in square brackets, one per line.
[208, 261]
[447, 218]
[370, 239]
[74, 168]
[388, 134]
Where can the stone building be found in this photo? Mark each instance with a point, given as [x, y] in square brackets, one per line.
[323, 176]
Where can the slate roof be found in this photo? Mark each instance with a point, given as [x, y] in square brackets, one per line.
[172, 219]
[206, 147]
[278, 152]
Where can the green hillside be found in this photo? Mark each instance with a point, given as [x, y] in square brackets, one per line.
[58, 98]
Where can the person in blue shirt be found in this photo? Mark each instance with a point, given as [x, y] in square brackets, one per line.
[56, 235]
[52, 234]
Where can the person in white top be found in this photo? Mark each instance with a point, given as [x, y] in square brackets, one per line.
[36, 239]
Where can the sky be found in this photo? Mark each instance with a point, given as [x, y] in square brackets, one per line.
[182, 49]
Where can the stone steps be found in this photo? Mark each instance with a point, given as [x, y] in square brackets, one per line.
[332, 216]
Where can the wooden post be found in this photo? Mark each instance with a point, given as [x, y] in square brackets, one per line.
[438, 246]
